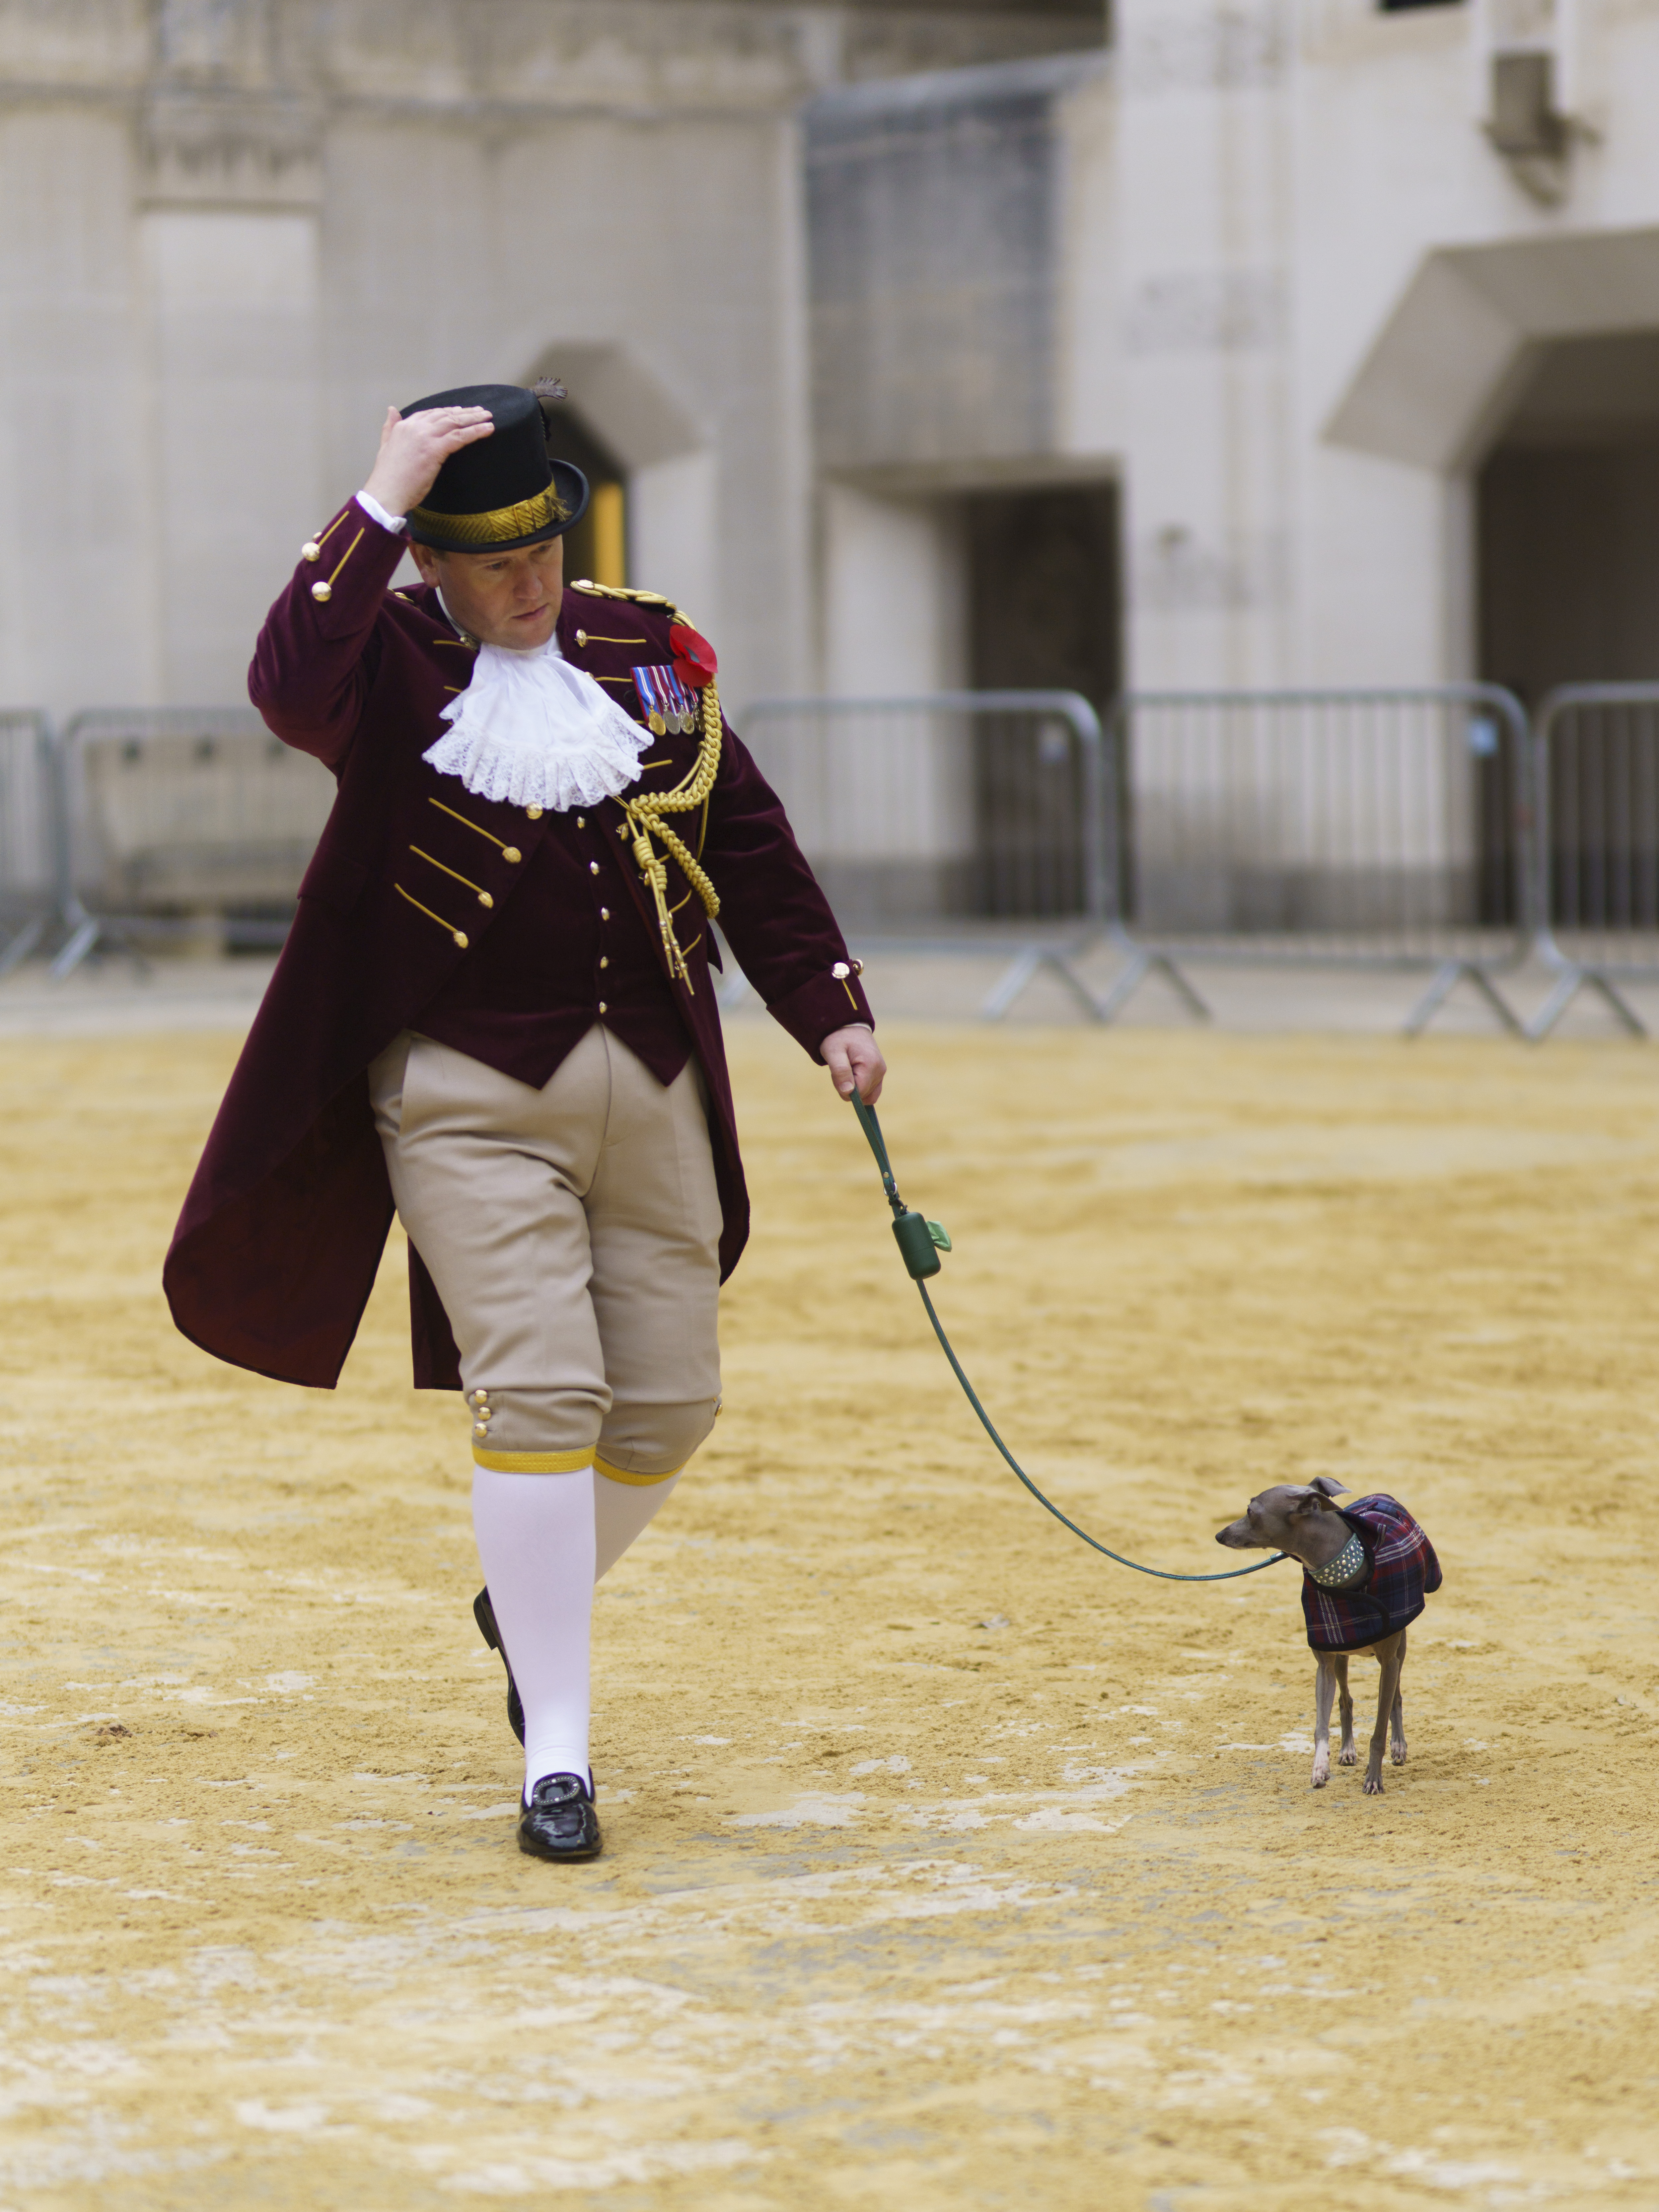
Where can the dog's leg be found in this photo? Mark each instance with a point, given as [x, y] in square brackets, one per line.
[1397, 1717]
[1324, 1690]
[1388, 1660]
[1348, 1756]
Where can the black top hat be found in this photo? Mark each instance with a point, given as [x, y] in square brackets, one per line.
[503, 491]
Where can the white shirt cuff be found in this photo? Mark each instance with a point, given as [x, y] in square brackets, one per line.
[372, 507]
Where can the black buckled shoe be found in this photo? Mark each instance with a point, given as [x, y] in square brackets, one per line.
[484, 1614]
[560, 1822]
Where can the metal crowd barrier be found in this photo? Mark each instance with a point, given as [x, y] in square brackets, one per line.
[1596, 779]
[1383, 829]
[950, 820]
[175, 821]
[1426, 827]
[27, 900]
[1386, 828]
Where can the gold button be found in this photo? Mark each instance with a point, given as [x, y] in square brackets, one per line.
[604, 914]
[461, 938]
[479, 1429]
[484, 899]
[581, 637]
[603, 1009]
[322, 593]
[604, 960]
[534, 812]
[581, 822]
[310, 550]
[512, 852]
[592, 868]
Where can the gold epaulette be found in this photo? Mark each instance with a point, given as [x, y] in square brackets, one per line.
[645, 813]
[621, 592]
[670, 607]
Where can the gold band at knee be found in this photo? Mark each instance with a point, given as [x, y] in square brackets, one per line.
[635, 1481]
[551, 1462]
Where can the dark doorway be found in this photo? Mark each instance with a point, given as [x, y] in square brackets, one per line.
[1568, 550]
[597, 549]
[1044, 608]
[1569, 565]
[1569, 521]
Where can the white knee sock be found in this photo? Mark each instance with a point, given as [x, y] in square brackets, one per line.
[534, 1536]
[621, 1511]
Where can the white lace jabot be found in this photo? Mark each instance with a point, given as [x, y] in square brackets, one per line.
[534, 731]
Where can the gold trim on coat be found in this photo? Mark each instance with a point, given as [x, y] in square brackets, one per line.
[459, 935]
[508, 851]
[478, 890]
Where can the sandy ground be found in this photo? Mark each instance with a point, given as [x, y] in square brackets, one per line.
[948, 1865]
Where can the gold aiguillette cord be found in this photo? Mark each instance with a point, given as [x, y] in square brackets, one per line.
[645, 820]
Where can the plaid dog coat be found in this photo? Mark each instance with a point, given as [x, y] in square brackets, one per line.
[1401, 1571]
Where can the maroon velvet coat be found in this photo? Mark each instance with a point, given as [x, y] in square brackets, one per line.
[283, 1226]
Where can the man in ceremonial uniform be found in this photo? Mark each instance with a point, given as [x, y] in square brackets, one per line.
[495, 1013]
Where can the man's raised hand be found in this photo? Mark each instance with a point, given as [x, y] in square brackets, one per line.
[414, 447]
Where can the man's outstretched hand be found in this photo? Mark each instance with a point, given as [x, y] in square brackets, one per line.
[414, 447]
[852, 1056]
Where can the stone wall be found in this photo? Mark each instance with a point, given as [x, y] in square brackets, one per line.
[232, 231]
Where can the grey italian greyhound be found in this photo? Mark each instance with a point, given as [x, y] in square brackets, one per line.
[1299, 1518]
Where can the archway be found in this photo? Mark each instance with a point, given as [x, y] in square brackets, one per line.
[1458, 351]
[598, 546]
[651, 464]
[1529, 372]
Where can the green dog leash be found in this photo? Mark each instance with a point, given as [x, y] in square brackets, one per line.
[920, 1243]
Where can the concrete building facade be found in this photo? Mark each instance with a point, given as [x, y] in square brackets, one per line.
[1351, 307]
[1231, 342]
[232, 231]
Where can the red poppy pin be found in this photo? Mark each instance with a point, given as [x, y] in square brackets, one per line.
[694, 656]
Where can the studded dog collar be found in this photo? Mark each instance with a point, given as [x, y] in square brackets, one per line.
[1348, 1566]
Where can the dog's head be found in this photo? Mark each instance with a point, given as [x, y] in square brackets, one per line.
[1280, 1519]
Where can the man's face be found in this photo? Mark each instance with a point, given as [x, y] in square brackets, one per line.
[503, 598]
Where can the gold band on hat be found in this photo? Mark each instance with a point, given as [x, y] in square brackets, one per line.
[495, 523]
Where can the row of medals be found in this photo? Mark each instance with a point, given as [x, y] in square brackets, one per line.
[667, 703]
[659, 724]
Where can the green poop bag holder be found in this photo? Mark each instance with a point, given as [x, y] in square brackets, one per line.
[920, 1244]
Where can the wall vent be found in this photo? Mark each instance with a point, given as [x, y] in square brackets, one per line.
[1525, 125]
